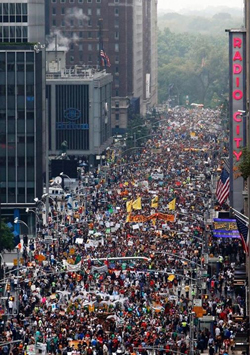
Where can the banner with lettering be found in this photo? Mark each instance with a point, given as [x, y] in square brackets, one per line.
[225, 228]
[237, 107]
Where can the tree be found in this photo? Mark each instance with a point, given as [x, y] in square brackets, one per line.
[6, 238]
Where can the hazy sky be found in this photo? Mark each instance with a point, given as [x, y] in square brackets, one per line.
[199, 4]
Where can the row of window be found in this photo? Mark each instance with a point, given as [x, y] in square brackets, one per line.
[71, 10]
[13, 9]
[76, 23]
[81, 1]
[13, 34]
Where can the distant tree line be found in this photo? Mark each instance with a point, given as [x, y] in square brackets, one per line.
[192, 68]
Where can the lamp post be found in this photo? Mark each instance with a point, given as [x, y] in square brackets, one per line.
[65, 176]
[45, 205]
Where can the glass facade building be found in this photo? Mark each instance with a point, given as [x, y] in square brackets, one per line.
[22, 107]
[20, 124]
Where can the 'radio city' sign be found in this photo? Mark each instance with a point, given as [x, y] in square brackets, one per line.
[237, 59]
[237, 100]
[72, 115]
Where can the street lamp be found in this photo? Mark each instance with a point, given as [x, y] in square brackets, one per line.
[17, 220]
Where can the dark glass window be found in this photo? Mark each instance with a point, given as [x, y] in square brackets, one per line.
[2, 62]
[11, 62]
[12, 9]
[18, 9]
[24, 9]
[5, 9]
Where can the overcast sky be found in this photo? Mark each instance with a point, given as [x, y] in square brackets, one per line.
[177, 5]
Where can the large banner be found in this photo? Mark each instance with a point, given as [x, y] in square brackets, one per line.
[225, 228]
[141, 218]
[237, 102]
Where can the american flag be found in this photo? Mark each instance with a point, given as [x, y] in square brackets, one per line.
[104, 59]
[223, 185]
[244, 232]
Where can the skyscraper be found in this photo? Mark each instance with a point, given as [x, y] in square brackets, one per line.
[126, 32]
[22, 84]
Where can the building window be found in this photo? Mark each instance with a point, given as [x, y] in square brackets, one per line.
[98, 1]
[117, 104]
[71, 1]
[89, 34]
[90, 23]
[80, 46]
[116, 47]
[116, 35]
[116, 23]
[80, 23]
[72, 23]
[116, 11]
[72, 46]
[53, 1]
[81, 34]
[63, 0]
[80, 1]
[90, 58]
[117, 69]
[89, 12]
[89, 1]
[53, 10]
[63, 11]
[72, 58]
[117, 93]
[89, 47]
[98, 11]
[80, 57]
[117, 126]
[97, 46]
[63, 23]
[116, 59]
[116, 1]
[54, 22]
[117, 116]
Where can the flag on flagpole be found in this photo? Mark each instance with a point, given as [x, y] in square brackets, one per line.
[129, 206]
[137, 204]
[154, 202]
[171, 205]
[104, 59]
[223, 185]
[243, 228]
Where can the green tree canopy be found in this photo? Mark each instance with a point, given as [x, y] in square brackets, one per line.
[192, 65]
[6, 237]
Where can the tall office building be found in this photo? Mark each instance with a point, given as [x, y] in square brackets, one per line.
[127, 32]
[22, 88]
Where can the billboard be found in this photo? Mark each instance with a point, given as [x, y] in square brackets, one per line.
[237, 104]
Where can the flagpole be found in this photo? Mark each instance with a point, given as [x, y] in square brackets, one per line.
[240, 214]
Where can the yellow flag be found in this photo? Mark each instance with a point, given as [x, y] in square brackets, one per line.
[137, 204]
[154, 202]
[128, 218]
[129, 206]
[171, 205]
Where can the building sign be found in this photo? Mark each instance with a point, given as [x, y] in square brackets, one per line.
[237, 78]
[71, 115]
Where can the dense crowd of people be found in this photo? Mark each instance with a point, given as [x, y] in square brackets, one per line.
[125, 266]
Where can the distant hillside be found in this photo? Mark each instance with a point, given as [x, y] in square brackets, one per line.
[204, 22]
